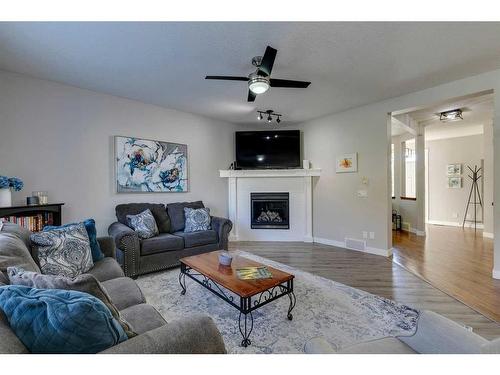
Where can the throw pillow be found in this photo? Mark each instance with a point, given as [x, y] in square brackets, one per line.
[91, 232]
[59, 321]
[64, 251]
[144, 224]
[197, 219]
[86, 283]
[176, 213]
[13, 252]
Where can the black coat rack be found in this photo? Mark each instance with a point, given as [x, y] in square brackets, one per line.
[474, 196]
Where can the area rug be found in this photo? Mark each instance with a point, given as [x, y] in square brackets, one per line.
[341, 314]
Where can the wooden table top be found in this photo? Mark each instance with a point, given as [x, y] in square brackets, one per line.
[208, 265]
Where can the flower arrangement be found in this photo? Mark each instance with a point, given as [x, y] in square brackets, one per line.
[11, 182]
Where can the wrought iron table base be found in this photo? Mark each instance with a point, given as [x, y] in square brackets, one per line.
[246, 305]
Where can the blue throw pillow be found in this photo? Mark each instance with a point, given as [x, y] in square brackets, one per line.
[59, 321]
[92, 233]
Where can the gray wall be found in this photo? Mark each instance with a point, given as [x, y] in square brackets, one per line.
[60, 139]
[448, 205]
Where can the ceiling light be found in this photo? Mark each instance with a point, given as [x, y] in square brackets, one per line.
[269, 118]
[453, 115]
[259, 117]
[258, 84]
[278, 120]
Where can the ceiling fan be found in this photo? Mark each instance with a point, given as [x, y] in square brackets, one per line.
[260, 80]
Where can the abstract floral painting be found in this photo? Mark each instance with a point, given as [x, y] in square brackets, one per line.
[144, 165]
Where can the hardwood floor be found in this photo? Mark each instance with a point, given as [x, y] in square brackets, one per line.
[454, 260]
[374, 274]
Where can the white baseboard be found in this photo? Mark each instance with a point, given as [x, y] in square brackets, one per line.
[341, 244]
[415, 231]
[488, 235]
[496, 274]
[454, 224]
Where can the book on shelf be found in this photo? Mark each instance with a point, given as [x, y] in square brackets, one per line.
[253, 273]
[34, 223]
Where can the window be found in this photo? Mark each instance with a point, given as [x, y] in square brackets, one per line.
[392, 170]
[409, 169]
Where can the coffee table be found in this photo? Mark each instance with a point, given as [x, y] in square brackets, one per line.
[249, 295]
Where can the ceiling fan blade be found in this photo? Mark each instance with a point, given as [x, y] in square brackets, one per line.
[288, 83]
[266, 65]
[228, 78]
[251, 96]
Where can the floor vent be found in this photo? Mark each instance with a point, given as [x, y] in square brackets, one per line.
[354, 244]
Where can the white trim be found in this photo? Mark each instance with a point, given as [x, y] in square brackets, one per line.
[496, 274]
[415, 231]
[488, 235]
[454, 224]
[341, 244]
[232, 173]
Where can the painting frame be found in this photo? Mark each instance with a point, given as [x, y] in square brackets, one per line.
[454, 182]
[454, 169]
[183, 172]
[347, 163]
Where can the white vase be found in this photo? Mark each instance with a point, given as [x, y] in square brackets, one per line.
[5, 197]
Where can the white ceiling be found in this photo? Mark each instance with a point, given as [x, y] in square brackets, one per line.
[349, 64]
[477, 111]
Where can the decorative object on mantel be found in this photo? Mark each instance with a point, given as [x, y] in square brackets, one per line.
[475, 195]
[347, 163]
[454, 169]
[270, 113]
[144, 165]
[7, 184]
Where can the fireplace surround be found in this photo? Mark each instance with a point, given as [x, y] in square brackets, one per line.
[269, 210]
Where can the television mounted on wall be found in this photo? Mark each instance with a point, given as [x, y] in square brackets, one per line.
[270, 149]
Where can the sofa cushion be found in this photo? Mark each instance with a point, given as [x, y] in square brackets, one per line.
[388, 345]
[143, 317]
[106, 269]
[13, 252]
[4, 280]
[176, 213]
[10, 343]
[59, 321]
[21, 232]
[193, 239]
[123, 292]
[85, 283]
[158, 210]
[143, 224]
[159, 244]
[64, 251]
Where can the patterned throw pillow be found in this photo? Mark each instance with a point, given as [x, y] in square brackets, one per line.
[197, 219]
[64, 251]
[144, 224]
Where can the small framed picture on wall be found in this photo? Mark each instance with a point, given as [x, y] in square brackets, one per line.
[454, 169]
[347, 163]
[454, 182]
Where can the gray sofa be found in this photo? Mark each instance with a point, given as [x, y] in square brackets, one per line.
[164, 251]
[435, 334]
[195, 334]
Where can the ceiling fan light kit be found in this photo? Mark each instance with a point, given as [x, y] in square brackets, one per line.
[260, 81]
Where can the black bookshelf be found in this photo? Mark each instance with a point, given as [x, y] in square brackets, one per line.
[50, 214]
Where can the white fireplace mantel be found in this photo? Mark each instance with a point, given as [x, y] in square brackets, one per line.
[297, 182]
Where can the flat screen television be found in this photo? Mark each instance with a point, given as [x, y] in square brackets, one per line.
[268, 149]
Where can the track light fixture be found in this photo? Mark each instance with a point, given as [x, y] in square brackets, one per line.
[270, 113]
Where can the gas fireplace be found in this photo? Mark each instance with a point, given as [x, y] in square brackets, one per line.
[269, 210]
